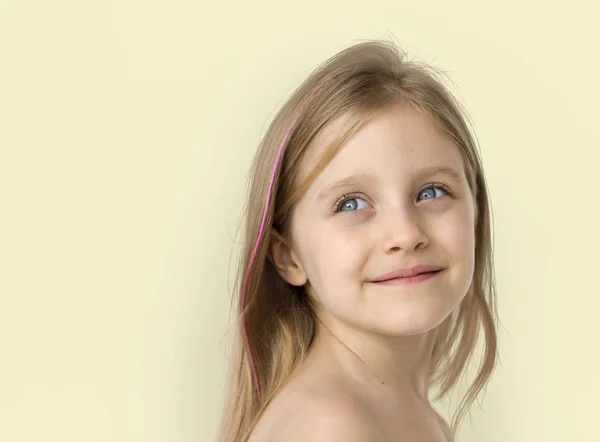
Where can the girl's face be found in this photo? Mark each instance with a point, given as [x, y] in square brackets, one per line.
[394, 197]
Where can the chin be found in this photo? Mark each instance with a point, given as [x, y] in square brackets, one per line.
[409, 322]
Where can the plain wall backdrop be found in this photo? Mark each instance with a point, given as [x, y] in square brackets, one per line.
[126, 132]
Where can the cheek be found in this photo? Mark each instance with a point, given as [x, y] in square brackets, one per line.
[335, 257]
[340, 251]
[459, 241]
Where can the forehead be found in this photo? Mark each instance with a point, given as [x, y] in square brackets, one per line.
[396, 141]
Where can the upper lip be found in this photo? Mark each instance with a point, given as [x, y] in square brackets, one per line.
[407, 272]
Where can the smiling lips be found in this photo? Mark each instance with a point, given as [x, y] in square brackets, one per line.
[408, 275]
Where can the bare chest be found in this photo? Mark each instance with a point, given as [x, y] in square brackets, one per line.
[406, 424]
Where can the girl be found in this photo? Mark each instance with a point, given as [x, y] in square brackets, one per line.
[366, 273]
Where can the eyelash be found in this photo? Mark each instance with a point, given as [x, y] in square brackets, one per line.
[348, 196]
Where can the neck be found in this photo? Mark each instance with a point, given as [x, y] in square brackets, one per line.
[400, 362]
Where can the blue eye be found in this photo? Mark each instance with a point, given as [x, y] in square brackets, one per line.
[430, 192]
[350, 203]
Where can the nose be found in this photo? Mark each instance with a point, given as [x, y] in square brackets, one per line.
[404, 231]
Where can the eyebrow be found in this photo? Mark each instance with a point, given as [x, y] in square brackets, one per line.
[363, 178]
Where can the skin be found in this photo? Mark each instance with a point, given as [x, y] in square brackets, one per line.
[366, 374]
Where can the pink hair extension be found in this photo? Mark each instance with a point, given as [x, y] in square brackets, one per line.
[260, 233]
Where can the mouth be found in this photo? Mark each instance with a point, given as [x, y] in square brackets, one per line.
[419, 277]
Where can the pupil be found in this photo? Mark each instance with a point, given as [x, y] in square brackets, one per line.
[350, 204]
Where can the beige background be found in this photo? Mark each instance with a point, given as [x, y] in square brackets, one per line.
[126, 130]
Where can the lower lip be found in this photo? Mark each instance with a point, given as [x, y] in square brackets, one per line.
[411, 280]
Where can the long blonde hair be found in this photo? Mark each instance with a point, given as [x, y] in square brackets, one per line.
[279, 320]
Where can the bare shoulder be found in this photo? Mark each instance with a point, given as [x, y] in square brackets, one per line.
[332, 419]
[314, 415]
[327, 418]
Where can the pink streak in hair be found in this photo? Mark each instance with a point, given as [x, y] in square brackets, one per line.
[260, 233]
